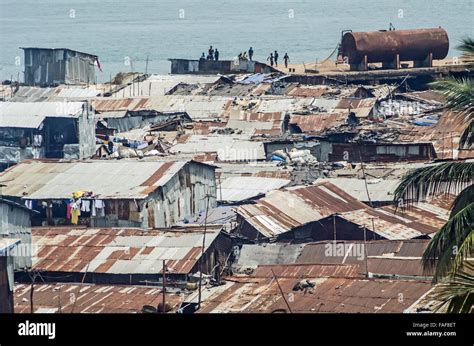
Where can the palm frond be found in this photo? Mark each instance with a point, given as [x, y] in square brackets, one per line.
[433, 180]
[467, 47]
[456, 294]
[458, 92]
[465, 197]
[467, 137]
[451, 245]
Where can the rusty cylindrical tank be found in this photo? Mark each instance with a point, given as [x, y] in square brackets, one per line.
[383, 46]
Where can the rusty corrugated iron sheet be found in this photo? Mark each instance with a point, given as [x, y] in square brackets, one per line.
[309, 91]
[318, 123]
[348, 295]
[397, 266]
[316, 252]
[307, 271]
[87, 298]
[282, 210]
[119, 104]
[119, 250]
[360, 107]
[125, 179]
[444, 135]
[385, 224]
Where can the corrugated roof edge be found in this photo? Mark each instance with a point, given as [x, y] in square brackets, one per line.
[17, 205]
[69, 49]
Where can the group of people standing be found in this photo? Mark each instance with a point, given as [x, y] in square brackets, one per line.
[244, 57]
[273, 58]
[212, 54]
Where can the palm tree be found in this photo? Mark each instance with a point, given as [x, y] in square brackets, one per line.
[447, 252]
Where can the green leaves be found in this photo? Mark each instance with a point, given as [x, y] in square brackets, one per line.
[451, 245]
[459, 94]
[456, 294]
[434, 180]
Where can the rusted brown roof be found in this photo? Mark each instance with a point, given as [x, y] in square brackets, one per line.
[126, 179]
[119, 104]
[284, 209]
[349, 295]
[88, 298]
[309, 91]
[317, 123]
[307, 270]
[316, 252]
[119, 250]
[444, 135]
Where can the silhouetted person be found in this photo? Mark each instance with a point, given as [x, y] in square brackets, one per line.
[286, 58]
[275, 56]
[216, 55]
[210, 53]
[271, 59]
[244, 56]
[250, 53]
[203, 57]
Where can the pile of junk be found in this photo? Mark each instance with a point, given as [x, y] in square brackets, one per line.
[294, 156]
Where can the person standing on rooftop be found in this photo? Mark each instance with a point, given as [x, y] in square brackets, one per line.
[286, 58]
[216, 55]
[250, 53]
[276, 57]
[211, 53]
[271, 59]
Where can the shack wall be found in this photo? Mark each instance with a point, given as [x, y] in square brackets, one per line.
[15, 223]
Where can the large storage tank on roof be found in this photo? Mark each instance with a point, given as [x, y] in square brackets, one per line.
[383, 46]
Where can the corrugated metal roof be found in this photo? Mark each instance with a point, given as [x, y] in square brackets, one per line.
[32, 114]
[237, 189]
[309, 90]
[270, 124]
[122, 179]
[444, 135]
[119, 251]
[348, 295]
[78, 93]
[108, 104]
[158, 85]
[227, 147]
[6, 244]
[361, 107]
[56, 298]
[397, 266]
[197, 107]
[432, 97]
[282, 210]
[382, 224]
[379, 190]
[60, 93]
[32, 94]
[430, 215]
[316, 252]
[307, 271]
[317, 123]
[253, 255]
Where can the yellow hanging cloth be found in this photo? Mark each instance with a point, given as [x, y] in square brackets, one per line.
[75, 216]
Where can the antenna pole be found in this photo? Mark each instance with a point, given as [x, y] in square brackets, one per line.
[164, 286]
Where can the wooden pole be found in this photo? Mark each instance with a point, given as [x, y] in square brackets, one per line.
[202, 253]
[281, 291]
[164, 286]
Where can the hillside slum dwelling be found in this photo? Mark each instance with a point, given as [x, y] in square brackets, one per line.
[227, 185]
[37, 130]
